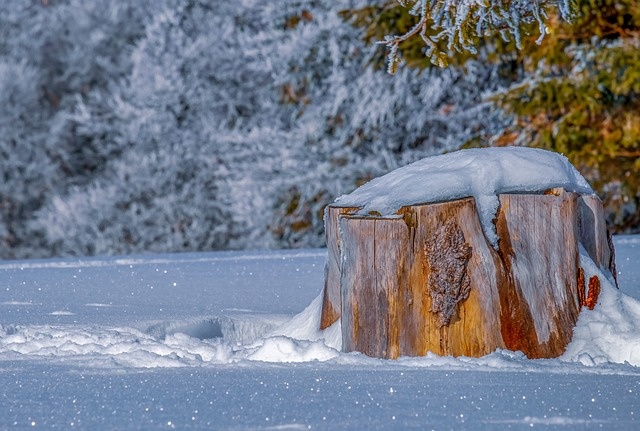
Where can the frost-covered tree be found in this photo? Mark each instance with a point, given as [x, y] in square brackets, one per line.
[51, 54]
[25, 172]
[160, 191]
[185, 143]
[360, 122]
[446, 26]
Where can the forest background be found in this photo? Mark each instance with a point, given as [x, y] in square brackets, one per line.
[183, 125]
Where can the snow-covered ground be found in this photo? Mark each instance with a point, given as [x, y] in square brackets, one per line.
[190, 341]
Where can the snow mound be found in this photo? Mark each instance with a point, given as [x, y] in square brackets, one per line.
[284, 349]
[609, 332]
[306, 326]
[234, 329]
[110, 347]
[172, 344]
[482, 173]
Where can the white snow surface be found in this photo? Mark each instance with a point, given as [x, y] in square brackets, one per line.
[230, 340]
[482, 173]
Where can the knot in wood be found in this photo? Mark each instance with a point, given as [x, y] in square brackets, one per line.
[447, 254]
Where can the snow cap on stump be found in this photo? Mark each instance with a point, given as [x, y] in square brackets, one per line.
[481, 173]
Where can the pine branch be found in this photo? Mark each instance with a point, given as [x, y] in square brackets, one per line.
[463, 22]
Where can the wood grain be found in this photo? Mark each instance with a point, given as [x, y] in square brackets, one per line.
[427, 280]
[331, 303]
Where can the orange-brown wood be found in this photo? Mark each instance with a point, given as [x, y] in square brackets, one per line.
[371, 267]
[594, 292]
[407, 309]
[539, 248]
[594, 235]
[582, 288]
[427, 280]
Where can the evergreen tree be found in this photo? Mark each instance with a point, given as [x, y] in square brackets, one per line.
[444, 27]
[580, 95]
[574, 90]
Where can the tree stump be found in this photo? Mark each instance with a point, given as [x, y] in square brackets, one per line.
[426, 278]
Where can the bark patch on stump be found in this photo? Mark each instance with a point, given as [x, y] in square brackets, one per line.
[448, 284]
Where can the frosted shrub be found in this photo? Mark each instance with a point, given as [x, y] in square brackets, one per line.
[51, 55]
[165, 138]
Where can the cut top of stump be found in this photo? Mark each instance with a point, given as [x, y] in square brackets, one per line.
[481, 173]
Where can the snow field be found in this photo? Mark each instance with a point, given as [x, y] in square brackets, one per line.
[219, 341]
[72, 332]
